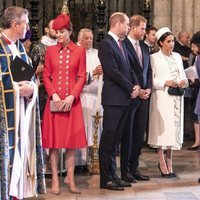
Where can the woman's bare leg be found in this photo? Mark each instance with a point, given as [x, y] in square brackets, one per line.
[169, 160]
[196, 132]
[162, 163]
[54, 157]
[70, 165]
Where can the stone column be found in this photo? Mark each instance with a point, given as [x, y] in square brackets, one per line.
[161, 13]
[196, 15]
[188, 16]
[177, 15]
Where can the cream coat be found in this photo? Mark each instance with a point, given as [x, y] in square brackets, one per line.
[161, 117]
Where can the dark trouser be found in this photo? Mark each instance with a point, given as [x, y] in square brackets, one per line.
[132, 144]
[114, 121]
[42, 99]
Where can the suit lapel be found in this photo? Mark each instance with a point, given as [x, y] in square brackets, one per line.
[118, 49]
[125, 52]
[145, 56]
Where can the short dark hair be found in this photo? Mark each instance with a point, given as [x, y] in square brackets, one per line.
[152, 28]
[196, 40]
[163, 37]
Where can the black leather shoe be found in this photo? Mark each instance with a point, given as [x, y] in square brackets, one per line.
[193, 148]
[123, 183]
[111, 185]
[140, 177]
[128, 178]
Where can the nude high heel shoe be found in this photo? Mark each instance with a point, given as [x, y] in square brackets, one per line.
[72, 187]
[55, 189]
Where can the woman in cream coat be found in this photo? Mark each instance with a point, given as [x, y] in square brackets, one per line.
[166, 111]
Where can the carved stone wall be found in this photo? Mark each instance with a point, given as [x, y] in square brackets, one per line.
[83, 13]
[177, 15]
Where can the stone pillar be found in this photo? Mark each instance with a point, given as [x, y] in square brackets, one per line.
[177, 15]
[188, 16]
[161, 13]
[196, 15]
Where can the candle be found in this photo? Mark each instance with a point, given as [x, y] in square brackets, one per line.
[98, 101]
[102, 2]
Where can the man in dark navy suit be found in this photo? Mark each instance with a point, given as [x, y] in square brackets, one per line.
[138, 54]
[120, 86]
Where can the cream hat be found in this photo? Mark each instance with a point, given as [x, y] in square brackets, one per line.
[161, 32]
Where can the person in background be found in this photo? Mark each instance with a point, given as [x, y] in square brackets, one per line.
[120, 85]
[139, 60]
[27, 41]
[166, 111]
[195, 45]
[64, 76]
[181, 46]
[37, 55]
[22, 165]
[150, 39]
[90, 90]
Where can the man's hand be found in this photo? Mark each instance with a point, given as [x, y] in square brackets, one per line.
[135, 91]
[25, 88]
[144, 94]
[39, 69]
[98, 70]
[185, 58]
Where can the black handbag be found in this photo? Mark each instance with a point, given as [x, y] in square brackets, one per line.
[176, 91]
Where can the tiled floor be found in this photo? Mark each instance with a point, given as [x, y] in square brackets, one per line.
[184, 187]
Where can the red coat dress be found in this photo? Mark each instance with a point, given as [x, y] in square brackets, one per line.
[64, 73]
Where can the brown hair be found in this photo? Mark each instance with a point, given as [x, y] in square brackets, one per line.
[12, 13]
[117, 17]
[136, 19]
[148, 29]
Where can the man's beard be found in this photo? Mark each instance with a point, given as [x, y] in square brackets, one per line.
[52, 36]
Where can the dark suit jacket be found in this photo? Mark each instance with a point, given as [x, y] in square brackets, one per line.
[119, 78]
[144, 73]
[183, 51]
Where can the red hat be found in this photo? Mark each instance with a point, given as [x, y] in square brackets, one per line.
[60, 22]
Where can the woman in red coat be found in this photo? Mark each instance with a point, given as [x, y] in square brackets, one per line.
[64, 78]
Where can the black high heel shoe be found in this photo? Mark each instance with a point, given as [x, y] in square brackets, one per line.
[193, 148]
[163, 175]
[173, 175]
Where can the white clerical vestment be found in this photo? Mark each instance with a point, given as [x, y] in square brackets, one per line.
[89, 101]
